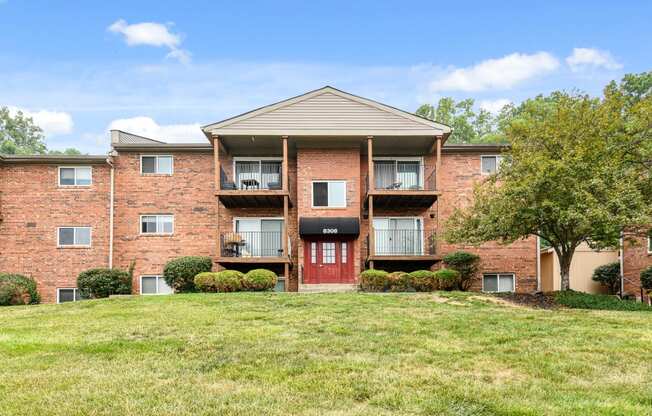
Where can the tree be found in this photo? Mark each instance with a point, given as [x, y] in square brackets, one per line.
[19, 134]
[468, 125]
[69, 152]
[608, 275]
[574, 173]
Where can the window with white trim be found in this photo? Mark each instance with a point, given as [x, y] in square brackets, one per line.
[344, 251]
[328, 253]
[156, 224]
[154, 285]
[68, 294]
[75, 175]
[649, 243]
[313, 252]
[74, 236]
[329, 194]
[156, 164]
[498, 282]
[490, 164]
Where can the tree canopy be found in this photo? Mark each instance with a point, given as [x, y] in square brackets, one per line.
[577, 170]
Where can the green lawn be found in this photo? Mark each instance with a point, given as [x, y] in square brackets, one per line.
[322, 354]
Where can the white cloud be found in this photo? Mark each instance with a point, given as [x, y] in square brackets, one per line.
[51, 122]
[494, 106]
[583, 58]
[151, 34]
[501, 73]
[147, 127]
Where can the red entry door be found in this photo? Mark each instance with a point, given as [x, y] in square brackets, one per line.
[328, 261]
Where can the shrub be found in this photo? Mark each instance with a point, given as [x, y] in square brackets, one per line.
[206, 282]
[373, 280]
[423, 281]
[646, 279]
[398, 282]
[180, 273]
[102, 283]
[259, 279]
[233, 280]
[448, 279]
[608, 275]
[467, 266]
[572, 299]
[17, 289]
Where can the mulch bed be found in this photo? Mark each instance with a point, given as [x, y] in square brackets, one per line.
[533, 300]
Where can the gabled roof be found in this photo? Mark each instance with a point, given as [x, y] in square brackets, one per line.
[327, 112]
[123, 137]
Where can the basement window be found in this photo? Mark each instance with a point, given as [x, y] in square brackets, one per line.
[75, 175]
[156, 165]
[68, 294]
[157, 224]
[498, 282]
[154, 285]
[329, 194]
[490, 164]
[74, 236]
[649, 243]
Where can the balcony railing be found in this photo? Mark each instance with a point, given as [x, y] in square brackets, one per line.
[402, 176]
[404, 242]
[252, 244]
[253, 175]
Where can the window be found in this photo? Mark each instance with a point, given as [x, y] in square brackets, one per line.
[74, 237]
[649, 243]
[259, 237]
[258, 174]
[154, 285]
[75, 176]
[398, 174]
[69, 294]
[156, 224]
[490, 164]
[157, 164]
[498, 282]
[398, 236]
[328, 253]
[313, 252]
[330, 194]
[344, 252]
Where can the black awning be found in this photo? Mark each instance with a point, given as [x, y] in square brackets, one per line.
[329, 226]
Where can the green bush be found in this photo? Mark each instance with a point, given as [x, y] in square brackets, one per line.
[16, 289]
[102, 283]
[259, 280]
[180, 273]
[572, 299]
[373, 280]
[447, 279]
[398, 282]
[646, 279]
[206, 282]
[423, 281]
[608, 275]
[467, 266]
[232, 280]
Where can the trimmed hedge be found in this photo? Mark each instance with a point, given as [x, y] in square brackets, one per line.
[16, 289]
[224, 281]
[102, 283]
[608, 275]
[646, 279]
[399, 282]
[259, 279]
[205, 282]
[373, 280]
[448, 279]
[180, 273]
[423, 281]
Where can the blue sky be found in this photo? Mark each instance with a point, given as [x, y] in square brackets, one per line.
[163, 68]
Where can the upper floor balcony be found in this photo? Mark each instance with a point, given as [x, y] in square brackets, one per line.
[253, 182]
[401, 182]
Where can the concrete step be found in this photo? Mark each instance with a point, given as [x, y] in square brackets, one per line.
[328, 287]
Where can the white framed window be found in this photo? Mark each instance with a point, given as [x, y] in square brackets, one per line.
[329, 194]
[498, 282]
[75, 176]
[490, 164]
[313, 252]
[154, 285]
[67, 294]
[328, 253]
[344, 251]
[157, 224]
[649, 243]
[260, 236]
[156, 165]
[74, 236]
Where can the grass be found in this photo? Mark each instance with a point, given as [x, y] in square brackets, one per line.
[572, 299]
[322, 354]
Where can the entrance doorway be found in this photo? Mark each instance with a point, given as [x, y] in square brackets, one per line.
[328, 261]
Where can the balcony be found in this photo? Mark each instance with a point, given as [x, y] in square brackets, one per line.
[254, 183]
[253, 247]
[399, 184]
[403, 245]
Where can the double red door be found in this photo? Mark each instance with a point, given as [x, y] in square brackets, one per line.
[328, 261]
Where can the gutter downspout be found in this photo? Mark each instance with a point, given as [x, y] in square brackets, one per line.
[111, 209]
[538, 264]
[622, 265]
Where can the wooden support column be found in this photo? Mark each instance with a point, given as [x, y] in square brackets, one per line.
[438, 163]
[285, 163]
[286, 216]
[216, 161]
[370, 185]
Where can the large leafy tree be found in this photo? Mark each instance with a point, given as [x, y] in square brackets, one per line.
[19, 134]
[578, 170]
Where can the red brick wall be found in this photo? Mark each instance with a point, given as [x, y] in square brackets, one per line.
[635, 260]
[188, 194]
[33, 206]
[459, 172]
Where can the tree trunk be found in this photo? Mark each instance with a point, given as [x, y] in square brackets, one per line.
[565, 259]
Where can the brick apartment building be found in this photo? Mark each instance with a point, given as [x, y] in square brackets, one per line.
[316, 187]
